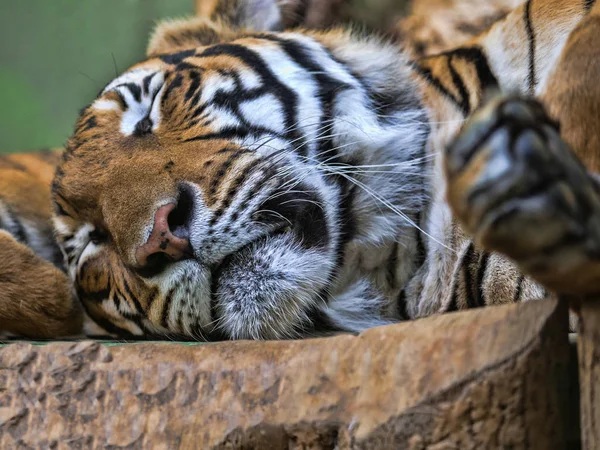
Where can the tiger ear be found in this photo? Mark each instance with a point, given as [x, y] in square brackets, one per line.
[217, 21]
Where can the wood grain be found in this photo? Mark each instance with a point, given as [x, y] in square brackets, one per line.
[589, 373]
[488, 378]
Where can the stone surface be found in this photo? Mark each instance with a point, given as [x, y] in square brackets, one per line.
[489, 378]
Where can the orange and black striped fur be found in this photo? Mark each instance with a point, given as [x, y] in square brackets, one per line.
[35, 293]
[434, 26]
[247, 183]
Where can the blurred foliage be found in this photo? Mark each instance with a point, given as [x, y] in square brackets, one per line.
[56, 55]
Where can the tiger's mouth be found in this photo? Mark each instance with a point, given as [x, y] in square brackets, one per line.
[307, 228]
[266, 288]
[245, 276]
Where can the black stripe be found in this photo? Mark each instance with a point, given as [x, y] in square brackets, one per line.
[519, 288]
[234, 188]
[128, 291]
[237, 132]
[176, 58]
[481, 270]
[391, 265]
[309, 218]
[453, 306]
[232, 100]
[153, 296]
[194, 85]
[177, 82]
[71, 254]
[89, 124]
[401, 305]
[588, 4]
[139, 321]
[94, 297]
[421, 249]
[57, 257]
[347, 230]
[329, 87]
[320, 324]
[180, 320]
[121, 100]
[220, 174]
[435, 82]
[165, 312]
[135, 90]
[250, 195]
[460, 86]
[531, 78]
[287, 97]
[214, 287]
[474, 55]
[466, 270]
[109, 326]
[226, 133]
[146, 83]
[116, 298]
[198, 111]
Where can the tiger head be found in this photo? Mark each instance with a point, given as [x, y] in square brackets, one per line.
[221, 188]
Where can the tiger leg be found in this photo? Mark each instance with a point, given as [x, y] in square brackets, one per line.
[517, 188]
[35, 297]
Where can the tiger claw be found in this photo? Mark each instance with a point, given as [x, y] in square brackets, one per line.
[516, 187]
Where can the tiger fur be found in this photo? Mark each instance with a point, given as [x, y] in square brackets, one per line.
[35, 294]
[250, 184]
[435, 26]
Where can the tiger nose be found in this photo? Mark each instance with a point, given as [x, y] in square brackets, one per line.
[167, 237]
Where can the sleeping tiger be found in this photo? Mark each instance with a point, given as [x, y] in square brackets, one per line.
[246, 183]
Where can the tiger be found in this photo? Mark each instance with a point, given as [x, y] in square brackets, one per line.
[244, 182]
[435, 26]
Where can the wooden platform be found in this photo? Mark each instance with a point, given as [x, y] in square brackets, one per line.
[491, 378]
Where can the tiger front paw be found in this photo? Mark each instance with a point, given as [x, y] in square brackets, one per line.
[516, 187]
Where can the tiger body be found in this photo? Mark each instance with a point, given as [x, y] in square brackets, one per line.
[242, 183]
[435, 26]
[35, 296]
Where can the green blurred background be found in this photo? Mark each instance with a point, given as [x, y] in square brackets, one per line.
[56, 55]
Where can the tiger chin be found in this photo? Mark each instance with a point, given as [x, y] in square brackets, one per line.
[244, 183]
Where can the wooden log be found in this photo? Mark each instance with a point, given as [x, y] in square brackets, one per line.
[489, 378]
[588, 349]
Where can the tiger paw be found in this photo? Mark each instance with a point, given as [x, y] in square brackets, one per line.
[516, 187]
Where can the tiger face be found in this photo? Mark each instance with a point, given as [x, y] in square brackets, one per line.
[227, 191]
